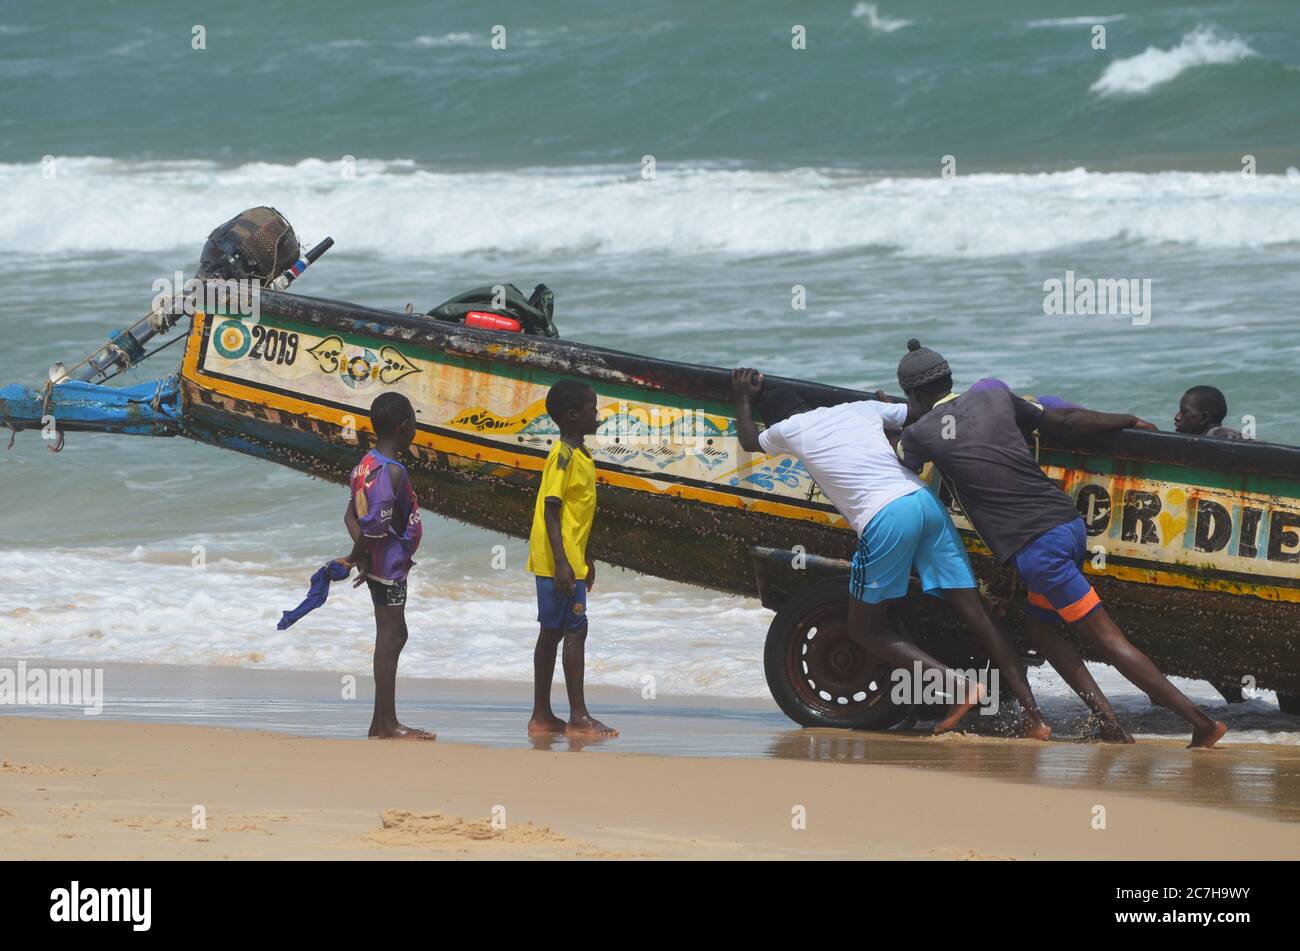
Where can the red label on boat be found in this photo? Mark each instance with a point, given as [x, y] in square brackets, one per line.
[479, 318]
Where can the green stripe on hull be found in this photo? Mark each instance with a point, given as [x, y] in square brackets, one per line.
[1164, 472]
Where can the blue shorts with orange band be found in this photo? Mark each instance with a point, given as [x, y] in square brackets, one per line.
[1051, 566]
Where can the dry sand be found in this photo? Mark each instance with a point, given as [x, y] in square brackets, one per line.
[80, 788]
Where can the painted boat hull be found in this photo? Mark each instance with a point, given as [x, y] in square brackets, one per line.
[1196, 541]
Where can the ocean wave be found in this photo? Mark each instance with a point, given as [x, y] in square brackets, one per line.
[398, 210]
[528, 37]
[869, 13]
[1075, 21]
[451, 39]
[88, 606]
[1138, 75]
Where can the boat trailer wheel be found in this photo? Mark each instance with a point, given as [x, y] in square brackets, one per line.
[817, 673]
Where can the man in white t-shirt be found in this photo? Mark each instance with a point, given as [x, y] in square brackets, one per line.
[897, 519]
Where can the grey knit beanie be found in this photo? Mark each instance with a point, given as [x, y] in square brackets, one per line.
[920, 366]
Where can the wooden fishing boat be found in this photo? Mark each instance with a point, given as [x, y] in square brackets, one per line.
[1196, 541]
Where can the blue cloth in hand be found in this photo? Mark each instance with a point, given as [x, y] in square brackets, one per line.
[317, 593]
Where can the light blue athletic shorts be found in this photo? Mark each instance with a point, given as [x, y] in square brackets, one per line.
[912, 530]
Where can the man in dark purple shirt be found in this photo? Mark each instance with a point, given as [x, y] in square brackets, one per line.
[978, 442]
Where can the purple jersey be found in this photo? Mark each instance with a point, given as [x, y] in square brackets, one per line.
[390, 520]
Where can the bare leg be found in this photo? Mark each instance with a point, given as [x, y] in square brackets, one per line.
[544, 719]
[970, 608]
[1067, 662]
[390, 638]
[580, 719]
[1109, 641]
[868, 626]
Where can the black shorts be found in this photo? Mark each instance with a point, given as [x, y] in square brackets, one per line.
[387, 595]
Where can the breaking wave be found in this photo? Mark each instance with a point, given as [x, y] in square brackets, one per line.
[1138, 75]
[398, 210]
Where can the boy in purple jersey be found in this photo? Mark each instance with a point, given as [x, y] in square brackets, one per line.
[383, 518]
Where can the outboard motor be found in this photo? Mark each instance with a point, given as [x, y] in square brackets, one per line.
[257, 243]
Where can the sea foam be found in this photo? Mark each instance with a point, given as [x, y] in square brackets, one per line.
[869, 13]
[1074, 21]
[646, 633]
[150, 608]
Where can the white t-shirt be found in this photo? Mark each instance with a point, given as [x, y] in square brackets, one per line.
[845, 450]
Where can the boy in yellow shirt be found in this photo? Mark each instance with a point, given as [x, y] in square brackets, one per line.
[557, 555]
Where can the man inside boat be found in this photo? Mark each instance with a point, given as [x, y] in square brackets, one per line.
[978, 441]
[1201, 412]
[900, 526]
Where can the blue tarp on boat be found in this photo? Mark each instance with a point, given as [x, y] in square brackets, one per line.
[147, 409]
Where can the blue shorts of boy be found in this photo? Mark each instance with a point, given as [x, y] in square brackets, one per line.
[1050, 566]
[561, 612]
[911, 530]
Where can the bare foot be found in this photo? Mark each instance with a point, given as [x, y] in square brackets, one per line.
[400, 732]
[588, 726]
[1112, 731]
[1205, 738]
[1032, 727]
[538, 726]
[959, 710]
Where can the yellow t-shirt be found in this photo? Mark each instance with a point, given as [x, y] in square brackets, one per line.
[570, 476]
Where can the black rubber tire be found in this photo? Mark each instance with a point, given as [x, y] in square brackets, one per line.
[853, 692]
[1289, 703]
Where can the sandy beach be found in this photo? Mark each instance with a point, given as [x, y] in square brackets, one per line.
[118, 786]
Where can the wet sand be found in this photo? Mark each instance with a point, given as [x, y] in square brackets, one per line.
[99, 786]
[117, 790]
